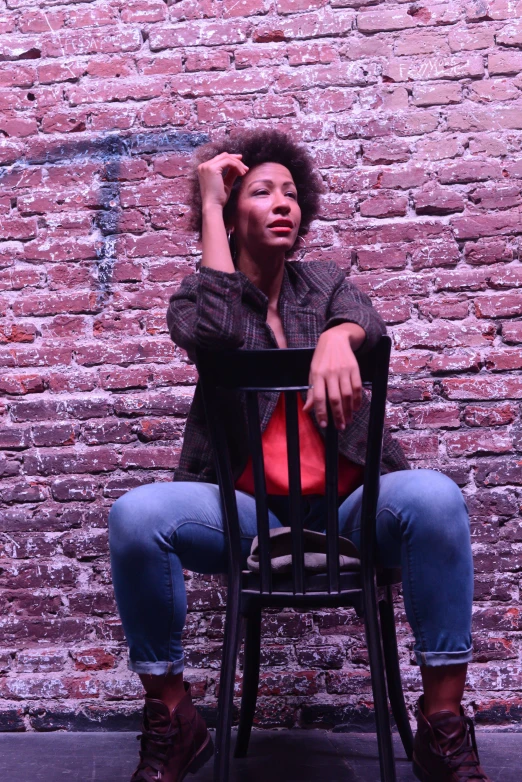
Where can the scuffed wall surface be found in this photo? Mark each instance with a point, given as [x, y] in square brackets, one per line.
[413, 113]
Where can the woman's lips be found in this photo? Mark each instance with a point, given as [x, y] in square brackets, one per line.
[285, 229]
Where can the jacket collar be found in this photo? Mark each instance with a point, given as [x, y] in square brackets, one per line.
[294, 289]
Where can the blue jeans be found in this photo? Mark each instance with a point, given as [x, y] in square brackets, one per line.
[158, 529]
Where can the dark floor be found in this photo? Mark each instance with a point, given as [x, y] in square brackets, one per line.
[278, 756]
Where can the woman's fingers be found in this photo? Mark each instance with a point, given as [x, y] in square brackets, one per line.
[347, 396]
[338, 390]
[217, 176]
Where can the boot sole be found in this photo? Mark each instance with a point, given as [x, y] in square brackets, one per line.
[203, 755]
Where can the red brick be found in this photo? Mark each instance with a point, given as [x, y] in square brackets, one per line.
[410, 363]
[157, 457]
[460, 361]
[165, 112]
[502, 63]
[491, 387]
[55, 462]
[419, 445]
[210, 111]
[101, 91]
[93, 659]
[245, 8]
[52, 304]
[275, 106]
[295, 6]
[490, 415]
[440, 335]
[194, 34]
[380, 21]
[512, 332]
[21, 384]
[492, 9]
[430, 255]
[477, 443]
[403, 178]
[304, 53]
[17, 228]
[14, 438]
[461, 39]
[17, 332]
[394, 311]
[421, 42]
[510, 34]
[331, 99]
[450, 307]
[107, 67]
[437, 94]
[468, 171]
[393, 257]
[503, 360]
[438, 201]
[441, 416]
[487, 251]
[303, 26]
[164, 65]
[346, 74]
[75, 489]
[465, 279]
[501, 197]
[434, 68]
[385, 205]
[108, 431]
[385, 98]
[140, 12]
[498, 305]
[492, 90]
[379, 153]
[475, 227]
[213, 60]
[19, 47]
[74, 43]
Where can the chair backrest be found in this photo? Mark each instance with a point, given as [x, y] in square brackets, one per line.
[287, 371]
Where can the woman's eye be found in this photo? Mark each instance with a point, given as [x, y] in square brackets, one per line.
[261, 192]
[293, 195]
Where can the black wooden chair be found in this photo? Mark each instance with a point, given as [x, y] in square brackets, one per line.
[368, 590]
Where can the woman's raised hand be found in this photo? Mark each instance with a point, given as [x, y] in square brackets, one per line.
[216, 178]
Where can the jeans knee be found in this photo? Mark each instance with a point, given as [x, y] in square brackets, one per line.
[439, 507]
[128, 526]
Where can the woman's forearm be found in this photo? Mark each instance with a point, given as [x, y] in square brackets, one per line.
[216, 252]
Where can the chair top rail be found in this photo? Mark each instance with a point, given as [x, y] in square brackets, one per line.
[260, 370]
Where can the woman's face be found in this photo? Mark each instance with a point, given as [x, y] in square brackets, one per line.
[267, 214]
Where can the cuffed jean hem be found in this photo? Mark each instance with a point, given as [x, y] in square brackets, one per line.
[434, 659]
[158, 668]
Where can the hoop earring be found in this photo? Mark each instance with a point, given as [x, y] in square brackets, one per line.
[232, 245]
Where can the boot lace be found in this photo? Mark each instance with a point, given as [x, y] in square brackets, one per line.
[464, 759]
[154, 752]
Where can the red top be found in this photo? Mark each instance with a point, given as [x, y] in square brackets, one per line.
[312, 458]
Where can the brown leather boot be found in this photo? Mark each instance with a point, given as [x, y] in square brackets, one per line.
[445, 749]
[172, 745]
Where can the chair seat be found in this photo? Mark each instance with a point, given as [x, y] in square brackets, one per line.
[316, 588]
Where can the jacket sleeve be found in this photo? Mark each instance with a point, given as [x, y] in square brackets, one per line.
[206, 311]
[350, 305]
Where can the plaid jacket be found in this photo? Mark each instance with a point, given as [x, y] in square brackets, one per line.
[215, 309]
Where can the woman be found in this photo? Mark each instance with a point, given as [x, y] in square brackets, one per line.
[253, 199]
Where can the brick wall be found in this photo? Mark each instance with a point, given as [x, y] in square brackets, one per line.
[413, 113]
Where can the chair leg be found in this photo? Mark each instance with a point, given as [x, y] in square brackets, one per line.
[393, 673]
[375, 653]
[227, 679]
[250, 682]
